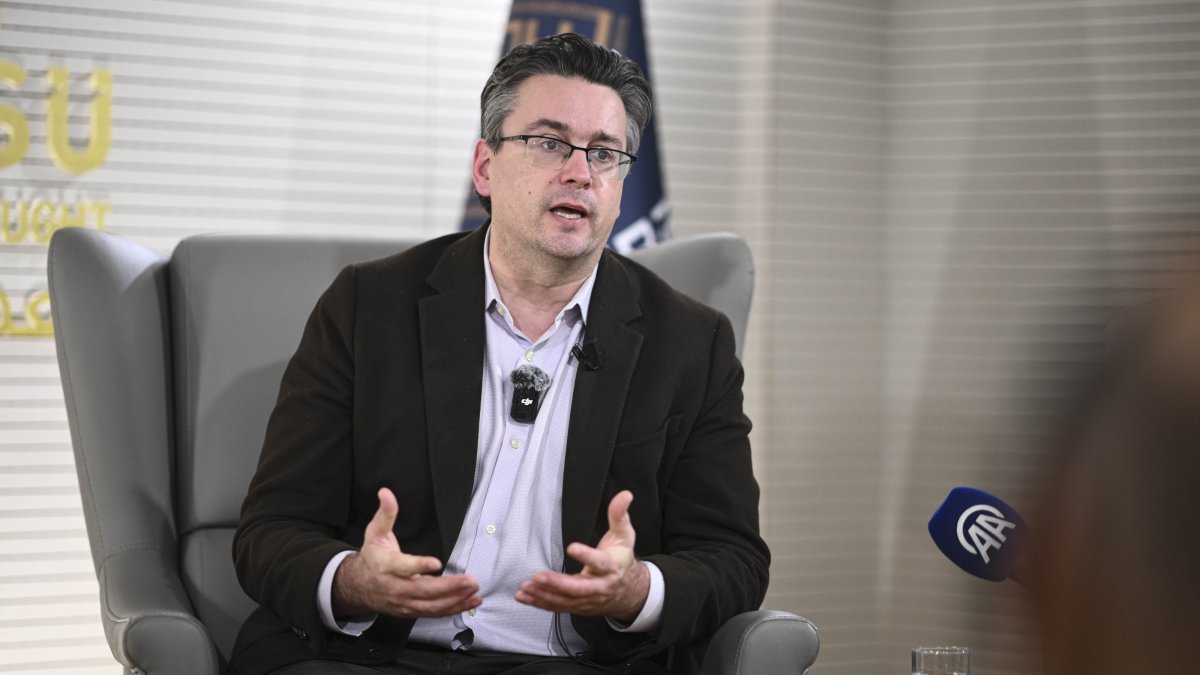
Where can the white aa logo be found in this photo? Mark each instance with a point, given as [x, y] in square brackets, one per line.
[986, 533]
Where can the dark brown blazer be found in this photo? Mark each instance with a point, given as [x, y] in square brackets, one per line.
[384, 390]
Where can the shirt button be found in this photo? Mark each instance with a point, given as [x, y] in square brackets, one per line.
[515, 443]
[490, 529]
[500, 309]
[529, 355]
[471, 612]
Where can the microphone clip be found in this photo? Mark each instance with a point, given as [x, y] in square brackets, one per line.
[587, 352]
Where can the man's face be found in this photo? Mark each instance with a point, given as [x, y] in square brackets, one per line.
[568, 212]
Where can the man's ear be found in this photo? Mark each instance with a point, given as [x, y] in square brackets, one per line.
[481, 166]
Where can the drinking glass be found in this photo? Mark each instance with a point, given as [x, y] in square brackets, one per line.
[941, 661]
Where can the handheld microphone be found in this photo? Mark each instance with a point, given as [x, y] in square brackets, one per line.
[980, 533]
[529, 383]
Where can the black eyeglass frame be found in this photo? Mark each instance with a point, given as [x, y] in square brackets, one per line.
[587, 151]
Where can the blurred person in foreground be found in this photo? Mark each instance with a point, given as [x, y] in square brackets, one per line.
[405, 519]
[1117, 556]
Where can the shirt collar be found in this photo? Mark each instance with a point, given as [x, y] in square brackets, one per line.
[581, 299]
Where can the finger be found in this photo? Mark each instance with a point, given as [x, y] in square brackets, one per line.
[384, 519]
[566, 586]
[450, 588]
[618, 513]
[441, 607]
[545, 598]
[405, 565]
[433, 596]
[595, 561]
[548, 604]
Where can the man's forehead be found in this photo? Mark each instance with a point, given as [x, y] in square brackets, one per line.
[570, 106]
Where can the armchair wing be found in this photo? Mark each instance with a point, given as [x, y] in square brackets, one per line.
[113, 340]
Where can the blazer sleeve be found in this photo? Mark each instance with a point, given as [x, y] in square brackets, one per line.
[715, 563]
[713, 559]
[297, 508]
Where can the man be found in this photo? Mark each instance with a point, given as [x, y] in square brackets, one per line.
[415, 511]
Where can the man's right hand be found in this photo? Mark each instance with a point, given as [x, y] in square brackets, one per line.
[381, 579]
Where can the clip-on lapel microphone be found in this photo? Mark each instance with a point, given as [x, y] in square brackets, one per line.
[529, 383]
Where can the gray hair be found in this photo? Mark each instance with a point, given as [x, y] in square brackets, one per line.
[566, 55]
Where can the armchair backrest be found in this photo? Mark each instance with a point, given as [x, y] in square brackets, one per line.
[238, 307]
[716, 269]
[170, 369]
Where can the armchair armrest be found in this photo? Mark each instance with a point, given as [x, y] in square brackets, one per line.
[148, 619]
[763, 641]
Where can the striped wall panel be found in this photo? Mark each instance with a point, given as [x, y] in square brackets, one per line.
[1036, 151]
[225, 116]
[946, 201]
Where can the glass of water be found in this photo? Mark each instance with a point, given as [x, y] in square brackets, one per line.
[941, 661]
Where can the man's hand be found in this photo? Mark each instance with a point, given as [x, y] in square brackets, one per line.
[381, 579]
[611, 584]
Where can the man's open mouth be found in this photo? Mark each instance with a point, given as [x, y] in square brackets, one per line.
[568, 212]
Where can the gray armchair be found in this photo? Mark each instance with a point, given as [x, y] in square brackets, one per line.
[170, 369]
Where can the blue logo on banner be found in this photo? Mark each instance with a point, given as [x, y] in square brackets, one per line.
[616, 24]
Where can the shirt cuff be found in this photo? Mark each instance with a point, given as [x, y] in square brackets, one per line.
[354, 626]
[651, 615]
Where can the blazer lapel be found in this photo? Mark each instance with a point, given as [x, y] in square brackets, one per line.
[452, 348]
[598, 401]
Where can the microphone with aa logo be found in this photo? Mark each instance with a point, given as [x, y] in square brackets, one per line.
[981, 534]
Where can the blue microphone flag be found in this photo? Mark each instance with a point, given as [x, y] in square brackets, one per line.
[979, 532]
[616, 24]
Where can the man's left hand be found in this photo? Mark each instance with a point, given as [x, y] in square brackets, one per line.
[611, 584]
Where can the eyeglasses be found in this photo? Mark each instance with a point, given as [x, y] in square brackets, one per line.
[552, 153]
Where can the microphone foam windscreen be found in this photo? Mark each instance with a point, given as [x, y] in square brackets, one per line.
[531, 377]
[979, 533]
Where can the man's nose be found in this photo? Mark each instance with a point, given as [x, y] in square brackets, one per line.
[576, 169]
